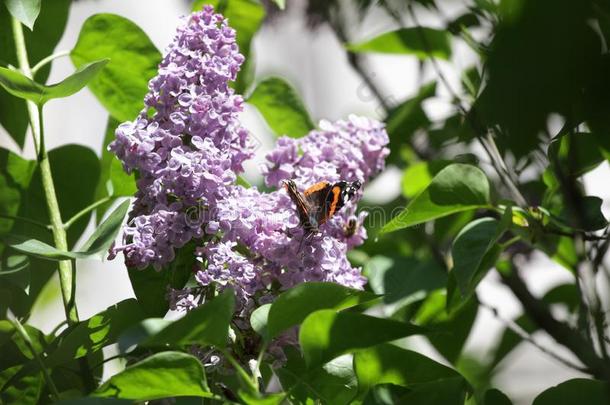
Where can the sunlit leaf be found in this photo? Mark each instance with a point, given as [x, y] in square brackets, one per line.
[26, 11]
[122, 84]
[458, 187]
[281, 107]
[21, 86]
[162, 375]
[326, 334]
[421, 42]
[293, 306]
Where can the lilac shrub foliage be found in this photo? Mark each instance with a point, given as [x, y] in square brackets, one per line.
[187, 147]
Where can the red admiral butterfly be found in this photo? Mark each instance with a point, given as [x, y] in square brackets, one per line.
[320, 202]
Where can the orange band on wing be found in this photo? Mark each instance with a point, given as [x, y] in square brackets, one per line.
[336, 195]
[316, 187]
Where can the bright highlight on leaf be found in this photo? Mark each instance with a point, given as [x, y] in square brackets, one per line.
[421, 42]
[25, 11]
[458, 187]
[281, 107]
[21, 86]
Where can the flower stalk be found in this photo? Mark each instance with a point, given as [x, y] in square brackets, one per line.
[66, 270]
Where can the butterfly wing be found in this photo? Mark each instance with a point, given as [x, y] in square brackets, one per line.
[303, 205]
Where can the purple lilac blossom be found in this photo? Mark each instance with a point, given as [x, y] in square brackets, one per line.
[187, 147]
[188, 153]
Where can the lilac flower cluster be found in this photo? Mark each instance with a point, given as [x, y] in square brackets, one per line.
[188, 152]
[187, 147]
[266, 224]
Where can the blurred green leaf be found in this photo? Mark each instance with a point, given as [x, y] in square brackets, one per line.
[387, 363]
[590, 213]
[23, 87]
[326, 334]
[293, 306]
[422, 42]
[403, 280]
[280, 3]
[99, 241]
[25, 11]
[449, 328]
[40, 43]
[544, 58]
[14, 264]
[281, 107]
[496, 397]
[246, 17]
[586, 154]
[575, 392]
[258, 320]
[122, 84]
[112, 174]
[95, 333]
[162, 375]
[207, 324]
[150, 286]
[475, 250]
[458, 187]
[403, 120]
[140, 332]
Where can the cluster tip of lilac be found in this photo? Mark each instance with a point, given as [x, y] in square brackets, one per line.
[187, 156]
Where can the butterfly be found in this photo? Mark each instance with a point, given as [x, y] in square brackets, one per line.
[320, 202]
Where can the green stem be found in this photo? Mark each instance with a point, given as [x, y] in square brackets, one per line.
[45, 372]
[85, 211]
[252, 385]
[66, 274]
[24, 66]
[66, 270]
[48, 59]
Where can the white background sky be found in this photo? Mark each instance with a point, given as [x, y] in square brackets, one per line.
[316, 66]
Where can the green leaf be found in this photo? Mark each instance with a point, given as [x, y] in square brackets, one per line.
[246, 17]
[575, 392]
[585, 156]
[391, 364]
[14, 264]
[140, 332]
[449, 328]
[280, 3]
[403, 280]
[150, 285]
[281, 107]
[418, 176]
[25, 11]
[258, 320]
[475, 250]
[456, 188]
[208, 324]
[40, 43]
[15, 176]
[112, 174]
[496, 397]
[99, 241]
[162, 375]
[403, 120]
[123, 83]
[106, 232]
[94, 401]
[421, 42]
[93, 334]
[293, 306]
[24, 87]
[333, 383]
[327, 334]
